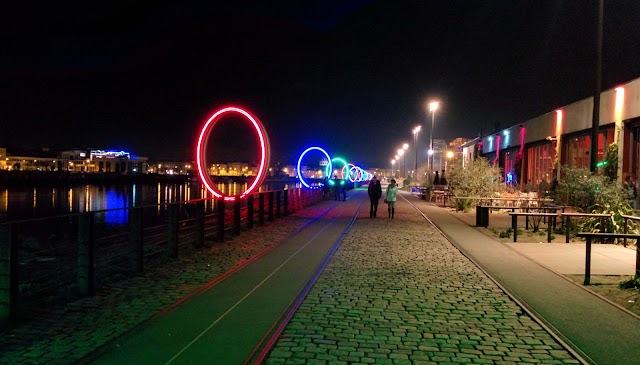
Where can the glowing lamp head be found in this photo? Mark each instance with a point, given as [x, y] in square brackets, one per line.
[450, 154]
[400, 152]
[405, 146]
[430, 152]
[433, 106]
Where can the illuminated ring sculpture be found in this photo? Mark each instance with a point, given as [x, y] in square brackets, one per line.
[353, 171]
[204, 136]
[328, 169]
[360, 174]
[342, 161]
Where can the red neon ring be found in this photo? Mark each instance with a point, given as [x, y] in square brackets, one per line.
[204, 136]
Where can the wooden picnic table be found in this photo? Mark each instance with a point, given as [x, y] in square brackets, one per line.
[602, 236]
[590, 215]
[524, 201]
[628, 218]
[514, 222]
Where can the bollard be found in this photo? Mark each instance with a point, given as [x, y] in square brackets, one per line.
[220, 219]
[270, 206]
[514, 226]
[250, 211]
[172, 220]
[86, 255]
[286, 202]
[8, 274]
[199, 224]
[136, 239]
[278, 205]
[236, 216]
[261, 208]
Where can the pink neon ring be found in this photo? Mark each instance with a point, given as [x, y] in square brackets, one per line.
[204, 136]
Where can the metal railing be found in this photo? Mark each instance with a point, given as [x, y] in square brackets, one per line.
[58, 259]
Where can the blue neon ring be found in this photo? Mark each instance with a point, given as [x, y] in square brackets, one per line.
[304, 183]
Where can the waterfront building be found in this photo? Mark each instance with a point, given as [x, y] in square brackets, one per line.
[232, 169]
[531, 153]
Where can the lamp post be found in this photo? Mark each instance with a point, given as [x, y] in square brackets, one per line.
[401, 154]
[405, 146]
[393, 162]
[433, 106]
[416, 131]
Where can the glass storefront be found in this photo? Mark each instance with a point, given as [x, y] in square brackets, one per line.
[539, 164]
[577, 149]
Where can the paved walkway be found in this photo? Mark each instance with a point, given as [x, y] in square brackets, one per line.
[397, 292]
[600, 332]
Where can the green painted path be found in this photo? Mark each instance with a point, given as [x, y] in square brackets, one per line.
[228, 323]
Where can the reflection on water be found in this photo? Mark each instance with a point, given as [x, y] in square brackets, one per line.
[25, 203]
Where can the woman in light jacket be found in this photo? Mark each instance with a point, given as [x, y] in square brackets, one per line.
[392, 191]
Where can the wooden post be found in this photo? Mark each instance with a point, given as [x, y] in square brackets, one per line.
[250, 211]
[220, 220]
[270, 206]
[199, 224]
[278, 205]
[514, 226]
[261, 208]
[567, 228]
[236, 216]
[587, 266]
[136, 239]
[286, 202]
[172, 220]
[8, 274]
[549, 225]
[86, 255]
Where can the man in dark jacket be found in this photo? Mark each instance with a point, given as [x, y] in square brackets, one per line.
[375, 192]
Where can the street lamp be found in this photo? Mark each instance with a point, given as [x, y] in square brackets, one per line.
[433, 106]
[416, 131]
[450, 155]
[401, 154]
[405, 146]
[393, 162]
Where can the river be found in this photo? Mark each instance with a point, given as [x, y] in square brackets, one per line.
[18, 203]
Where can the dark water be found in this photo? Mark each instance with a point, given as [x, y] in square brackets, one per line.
[39, 202]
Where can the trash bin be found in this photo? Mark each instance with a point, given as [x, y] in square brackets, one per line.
[482, 216]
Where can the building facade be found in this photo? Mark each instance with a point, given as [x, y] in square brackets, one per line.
[533, 152]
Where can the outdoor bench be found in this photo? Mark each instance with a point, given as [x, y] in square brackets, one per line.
[589, 236]
[590, 215]
[514, 222]
[628, 218]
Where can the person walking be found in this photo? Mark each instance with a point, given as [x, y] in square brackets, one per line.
[392, 191]
[632, 191]
[375, 192]
[336, 187]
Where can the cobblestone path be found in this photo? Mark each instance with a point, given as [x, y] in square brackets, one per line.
[396, 292]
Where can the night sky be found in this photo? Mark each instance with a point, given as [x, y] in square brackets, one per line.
[351, 76]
